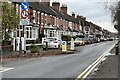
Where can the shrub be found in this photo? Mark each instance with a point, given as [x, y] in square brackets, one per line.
[66, 38]
[6, 42]
[34, 48]
[37, 40]
[74, 37]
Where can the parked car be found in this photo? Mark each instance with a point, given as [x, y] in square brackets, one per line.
[96, 40]
[53, 42]
[79, 41]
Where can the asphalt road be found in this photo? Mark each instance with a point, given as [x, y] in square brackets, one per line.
[61, 66]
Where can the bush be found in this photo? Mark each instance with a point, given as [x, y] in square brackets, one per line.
[34, 48]
[66, 38]
[37, 40]
[6, 42]
[74, 37]
[30, 41]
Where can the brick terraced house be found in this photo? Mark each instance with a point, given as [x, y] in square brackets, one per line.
[48, 21]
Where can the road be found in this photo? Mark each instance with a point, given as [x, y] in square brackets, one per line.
[61, 66]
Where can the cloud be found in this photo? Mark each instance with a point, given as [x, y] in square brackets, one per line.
[93, 11]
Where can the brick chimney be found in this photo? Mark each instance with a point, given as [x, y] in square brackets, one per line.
[64, 8]
[47, 2]
[83, 18]
[73, 14]
[78, 16]
[56, 6]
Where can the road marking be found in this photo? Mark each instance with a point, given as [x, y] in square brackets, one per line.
[4, 69]
[90, 68]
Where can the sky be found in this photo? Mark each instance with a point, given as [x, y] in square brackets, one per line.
[93, 10]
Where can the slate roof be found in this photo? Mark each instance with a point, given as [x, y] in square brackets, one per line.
[60, 28]
[41, 6]
[69, 29]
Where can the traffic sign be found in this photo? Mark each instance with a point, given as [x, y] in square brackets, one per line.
[24, 22]
[24, 14]
[24, 5]
[87, 29]
[63, 43]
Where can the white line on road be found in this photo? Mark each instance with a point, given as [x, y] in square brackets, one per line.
[4, 69]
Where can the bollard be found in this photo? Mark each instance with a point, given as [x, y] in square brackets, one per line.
[46, 45]
[72, 44]
[64, 46]
[116, 49]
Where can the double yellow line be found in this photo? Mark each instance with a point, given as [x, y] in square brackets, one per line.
[87, 71]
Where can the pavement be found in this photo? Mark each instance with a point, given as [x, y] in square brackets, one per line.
[60, 66]
[108, 69]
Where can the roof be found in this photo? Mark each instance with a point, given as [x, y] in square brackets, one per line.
[41, 6]
[69, 29]
[35, 5]
[60, 28]
[46, 9]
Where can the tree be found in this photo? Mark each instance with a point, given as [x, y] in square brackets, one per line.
[117, 17]
[10, 19]
[115, 11]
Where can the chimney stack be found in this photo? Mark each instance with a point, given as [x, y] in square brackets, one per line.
[78, 16]
[64, 8]
[47, 2]
[73, 14]
[56, 6]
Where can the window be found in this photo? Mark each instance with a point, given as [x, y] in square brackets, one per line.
[51, 33]
[20, 32]
[28, 32]
[57, 21]
[38, 17]
[53, 19]
[45, 19]
[34, 33]
[34, 15]
[42, 18]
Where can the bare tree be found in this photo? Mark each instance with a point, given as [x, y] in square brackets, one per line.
[114, 8]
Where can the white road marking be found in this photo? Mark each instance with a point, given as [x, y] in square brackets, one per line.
[4, 69]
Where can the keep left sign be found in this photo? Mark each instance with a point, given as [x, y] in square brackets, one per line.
[24, 5]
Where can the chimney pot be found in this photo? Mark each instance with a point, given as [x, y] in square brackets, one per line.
[73, 14]
[56, 6]
[64, 8]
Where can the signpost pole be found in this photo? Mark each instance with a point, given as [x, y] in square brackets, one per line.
[24, 20]
[24, 37]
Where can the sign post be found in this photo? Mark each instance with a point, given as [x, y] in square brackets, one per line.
[24, 19]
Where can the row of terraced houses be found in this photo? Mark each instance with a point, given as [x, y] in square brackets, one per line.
[52, 21]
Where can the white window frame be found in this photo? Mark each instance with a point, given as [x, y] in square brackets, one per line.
[34, 16]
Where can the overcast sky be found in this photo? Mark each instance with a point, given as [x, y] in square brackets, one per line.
[93, 10]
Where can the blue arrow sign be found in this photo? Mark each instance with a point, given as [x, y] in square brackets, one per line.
[24, 5]
[63, 43]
